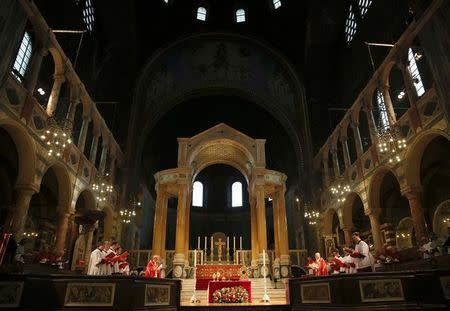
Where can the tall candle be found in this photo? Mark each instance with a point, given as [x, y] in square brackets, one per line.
[212, 246]
[198, 242]
[264, 258]
[228, 242]
[240, 242]
[205, 242]
[234, 242]
[195, 258]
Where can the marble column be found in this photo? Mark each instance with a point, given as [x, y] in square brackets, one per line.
[159, 229]
[18, 216]
[348, 236]
[89, 237]
[357, 137]
[254, 228]
[410, 89]
[388, 103]
[283, 238]
[54, 95]
[35, 68]
[276, 223]
[261, 218]
[61, 231]
[417, 214]
[187, 223]
[104, 156]
[376, 232]
[337, 172]
[180, 238]
[347, 161]
[372, 126]
[83, 133]
[94, 145]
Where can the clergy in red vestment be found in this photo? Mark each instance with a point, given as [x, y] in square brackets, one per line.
[322, 266]
[154, 267]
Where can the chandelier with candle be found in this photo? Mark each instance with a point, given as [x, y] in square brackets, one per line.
[56, 136]
[102, 188]
[128, 213]
[390, 144]
[311, 214]
[340, 191]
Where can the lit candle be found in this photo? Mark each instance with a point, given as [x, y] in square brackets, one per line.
[240, 242]
[234, 242]
[228, 242]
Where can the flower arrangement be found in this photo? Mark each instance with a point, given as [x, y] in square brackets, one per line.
[235, 294]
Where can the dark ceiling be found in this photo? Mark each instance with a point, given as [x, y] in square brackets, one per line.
[308, 33]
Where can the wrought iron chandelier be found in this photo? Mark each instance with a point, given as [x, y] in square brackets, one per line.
[102, 188]
[391, 144]
[57, 136]
[310, 214]
[340, 191]
[128, 213]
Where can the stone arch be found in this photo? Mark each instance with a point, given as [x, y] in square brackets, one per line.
[154, 94]
[89, 198]
[347, 209]
[58, 61]
[375, 186]
[415, 153]
[439, 226]
[25, 151]
[64, 185]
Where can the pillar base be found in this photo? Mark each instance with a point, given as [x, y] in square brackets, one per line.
[276, 268]
[254, 269]
[178, 266]
[285, 266]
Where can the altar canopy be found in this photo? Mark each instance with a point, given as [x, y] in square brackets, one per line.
[225, 145]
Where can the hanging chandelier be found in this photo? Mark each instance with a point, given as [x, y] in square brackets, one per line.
[391, 144]
[57, 136]
[128, 213]
[340, 191]
[102, 188]
[311, 215]
[30, 234]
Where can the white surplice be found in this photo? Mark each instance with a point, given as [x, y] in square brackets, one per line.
[94, 262]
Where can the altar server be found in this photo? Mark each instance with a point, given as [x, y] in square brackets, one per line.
[96, 260]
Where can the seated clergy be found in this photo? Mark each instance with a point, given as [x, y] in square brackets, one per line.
[154, 267]
[320, 267]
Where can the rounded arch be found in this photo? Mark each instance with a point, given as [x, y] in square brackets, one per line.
[347, 209]
[58, 61]
[64, 185]
[415, 153]
[283, 97]
[375, 186]
[442, 213]
[85, 201]
[25, 151]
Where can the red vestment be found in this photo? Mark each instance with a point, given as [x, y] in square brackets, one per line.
[323, 269]
[152, 270]
[337, 263]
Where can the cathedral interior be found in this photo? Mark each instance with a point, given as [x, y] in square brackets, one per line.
[276, 128]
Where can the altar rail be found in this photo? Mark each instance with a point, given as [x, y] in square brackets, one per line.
[375, 291]
[67, 292]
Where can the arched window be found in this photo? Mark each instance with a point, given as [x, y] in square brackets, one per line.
[414, 72]
[23, 57]
[350, 23]
[240, 16]
[236, 194]
[276, 4]
[201, 14]
[197, 194]
[383, 122]
[88, 15]
[364, 6]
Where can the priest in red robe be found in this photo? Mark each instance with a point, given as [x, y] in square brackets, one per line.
[322, 267]
[154, 267]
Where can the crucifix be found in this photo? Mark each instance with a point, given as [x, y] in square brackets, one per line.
[219, 245]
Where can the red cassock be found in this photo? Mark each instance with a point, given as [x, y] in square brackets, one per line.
[337, 264]
[323, 269]
[152, 270]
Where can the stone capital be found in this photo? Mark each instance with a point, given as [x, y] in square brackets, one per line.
[411, 192]
[27, 189]
[375, 212]
[59, 77]
[354, 124]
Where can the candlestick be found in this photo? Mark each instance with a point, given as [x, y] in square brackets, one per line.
[205, 242]
[240, 242]
[264, 258]
[234, 242]
[228, 242]
[195, 258]
[198, 242]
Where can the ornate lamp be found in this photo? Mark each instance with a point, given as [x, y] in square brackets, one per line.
[30, 234]
[57, 136]
[128, 213]
[390, 144]
[102, 188]
[340, 191]
[310, 214]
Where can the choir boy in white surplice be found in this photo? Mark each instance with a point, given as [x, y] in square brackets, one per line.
[114, 264]
[95, 260]
[105, 267]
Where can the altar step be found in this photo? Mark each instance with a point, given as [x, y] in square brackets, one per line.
[277, 295]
